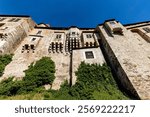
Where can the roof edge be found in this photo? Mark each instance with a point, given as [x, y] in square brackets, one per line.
[62, 28]
[1, 15]
[130, 24]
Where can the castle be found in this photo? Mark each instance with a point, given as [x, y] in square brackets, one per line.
[126, 48]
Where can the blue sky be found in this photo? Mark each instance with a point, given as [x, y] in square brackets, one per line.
[82, 13]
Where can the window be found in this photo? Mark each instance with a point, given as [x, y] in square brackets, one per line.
[112, 22]
[26, 47]
[33, 39]
[39, 32]
[1, 35]
[14, 20]
[32, 47]
[2, 19]
[58, 36]
[89, 36]
[73, 33]
[89, 55]
[147, 29]
[1, 24]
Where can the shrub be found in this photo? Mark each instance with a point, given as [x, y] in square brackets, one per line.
[9, 88]
[36, 76]
[96, 82]
[93, 82]
[41, 73]
[4, 60]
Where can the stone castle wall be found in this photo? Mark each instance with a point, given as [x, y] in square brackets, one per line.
[125, 48]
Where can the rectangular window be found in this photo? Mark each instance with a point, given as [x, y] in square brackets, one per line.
[11, 19]
[73, 33]
[89, 36]
[147, 29]
[89, 55]
[32, 47]
[14, 20]
[1, 24]
[2, 19]
[112, 22]
[26, 47]
[58, 36]
[1, 35]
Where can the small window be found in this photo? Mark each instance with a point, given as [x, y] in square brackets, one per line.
[89, 55]
[1, 35]
[58, 36]
[89, 36]
[11, 20]
[147, 29]
[73, 33]
[2, 19]
[16, 20]
[1, 24]
[32, 47]
[26, 46]
[33, 39]
[39, 32]
[112, 22]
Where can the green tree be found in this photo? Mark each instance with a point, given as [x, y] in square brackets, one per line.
[4, 60]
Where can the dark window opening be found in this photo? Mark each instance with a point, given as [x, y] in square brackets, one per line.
[146, 29]
[87, 44]
[2, 19]
[89, 36]
[52, 45]
[73, 33]
[91, 44]
[16, 20]
[118, 32]
[12, 19]
[33, 39]
[89, 55]
[32, 47]
[39, 32]
[1, 24]
[58, 36]
[26, 46]
[1, 35]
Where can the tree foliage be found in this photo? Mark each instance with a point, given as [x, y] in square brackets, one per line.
[93, 82]
[4, 60]
[36, 76]
[41, 73]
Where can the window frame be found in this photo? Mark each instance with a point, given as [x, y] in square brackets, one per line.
[146, 29]
[112, 22]
[89, 55]
[58, 36]
[2, 19]
[89, 36]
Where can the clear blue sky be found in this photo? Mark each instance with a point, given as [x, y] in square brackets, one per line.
[82, 13]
